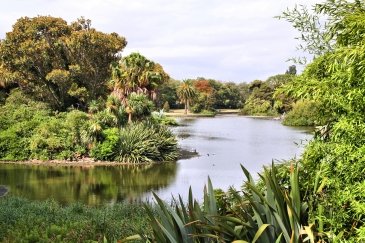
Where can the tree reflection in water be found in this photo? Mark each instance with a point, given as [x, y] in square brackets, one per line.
[93, 185]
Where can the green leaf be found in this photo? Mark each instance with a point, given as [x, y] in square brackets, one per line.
[259, 232]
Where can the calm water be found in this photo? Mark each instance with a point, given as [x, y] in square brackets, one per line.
[223, 143]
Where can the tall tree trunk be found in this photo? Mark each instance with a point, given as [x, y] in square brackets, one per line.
[186, 106]
[130, 117]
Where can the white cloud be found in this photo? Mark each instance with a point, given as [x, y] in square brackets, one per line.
[228, 40]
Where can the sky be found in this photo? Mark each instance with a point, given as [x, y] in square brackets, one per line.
[231, 40]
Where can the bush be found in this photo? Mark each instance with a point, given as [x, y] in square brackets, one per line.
[304, 113]
[30, 130]
[108, 148]
[208, 113]
[59, 137]
[19, 117]
[139, 105]
[161, 118]
[196, 108]
[145, 142]
[257, 107]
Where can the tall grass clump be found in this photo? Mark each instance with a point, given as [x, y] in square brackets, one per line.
[146, 142]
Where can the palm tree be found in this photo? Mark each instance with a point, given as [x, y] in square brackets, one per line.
[138, 105]
[92, 133]
[135, 73]
[114, 106]
[186, 93]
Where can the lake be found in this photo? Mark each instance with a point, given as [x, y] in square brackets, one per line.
[223, 143]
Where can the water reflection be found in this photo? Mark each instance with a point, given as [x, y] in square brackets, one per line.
[90, 185]
[222, 143]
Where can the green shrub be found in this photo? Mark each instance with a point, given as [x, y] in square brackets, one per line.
[108, 148]
[28, 129]
[146, 142]
[139, 105]
[12, 147]
[19, 117]
[49, 139]
[161, 118]
[196, 108]
[59, 137]
[304, 113]
[257, 107]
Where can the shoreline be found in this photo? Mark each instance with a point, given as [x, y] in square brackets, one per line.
[89, 162]
[179, 113]
[76, 163]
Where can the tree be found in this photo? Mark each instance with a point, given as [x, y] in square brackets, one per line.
[116, 108]
[292, 70]
[204, 94]
[166, 92]
[135, 73]
[138, 105]
[228, 96]
[282, 101]
[186, 93]
[57, 63]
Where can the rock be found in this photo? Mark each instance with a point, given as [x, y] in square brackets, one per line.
[3, 190]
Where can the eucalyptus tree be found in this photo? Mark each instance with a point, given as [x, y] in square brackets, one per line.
[186, 93]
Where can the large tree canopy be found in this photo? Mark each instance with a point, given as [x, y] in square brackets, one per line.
[58, 63]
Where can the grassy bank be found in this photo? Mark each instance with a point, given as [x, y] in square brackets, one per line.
[22, 220]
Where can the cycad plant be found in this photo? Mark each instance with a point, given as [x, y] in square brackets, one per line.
[269, 214]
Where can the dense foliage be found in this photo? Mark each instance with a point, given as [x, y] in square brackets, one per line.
[335, 80]
[303, 113]
[29, 130]
[264, 97]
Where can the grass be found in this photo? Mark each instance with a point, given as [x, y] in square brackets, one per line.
[22, 220]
